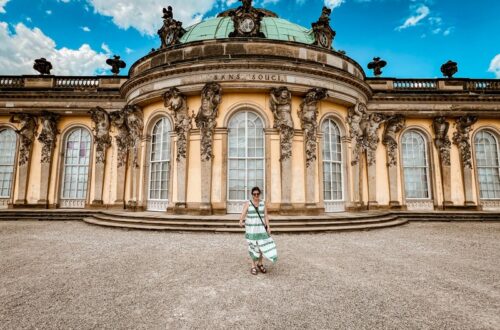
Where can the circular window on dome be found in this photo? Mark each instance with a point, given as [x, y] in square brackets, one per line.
[247, 25]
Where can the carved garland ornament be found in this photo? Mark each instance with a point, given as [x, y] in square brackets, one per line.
[281, 107]
[48, 136]
[177, 103]
[462, 138]
[393, 126]
[308, 115]
[441, 140]
[206, 118]
[26, 133]
[102, 139]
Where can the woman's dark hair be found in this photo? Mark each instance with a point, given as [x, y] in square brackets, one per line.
[256, 189]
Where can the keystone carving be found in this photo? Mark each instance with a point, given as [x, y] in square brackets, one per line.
[281, 106]
[308, 115]
[441, 140]
[27, 134]
[177, 103]
[364, 131]
[206, 118]
[393, 126]
[102, 139]
[48, 135]
[116, 64]
[172, 31]
[462, 138]
[247, 21]
[43, 66]
[323, 33]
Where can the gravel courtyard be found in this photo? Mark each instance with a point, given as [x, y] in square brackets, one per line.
[61, 275]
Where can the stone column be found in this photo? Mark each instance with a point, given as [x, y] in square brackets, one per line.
[211, 97]
[27, 133]
[462, 139]
[122, 141]
[47, 138]
[308, 115]
[393, 126]
[281, 106]
[372, 179]
[102, 141]
[443, 145]
[177, 104]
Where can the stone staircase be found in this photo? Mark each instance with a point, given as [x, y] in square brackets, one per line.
[229, 223]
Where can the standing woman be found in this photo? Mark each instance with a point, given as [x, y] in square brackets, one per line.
[257, 232]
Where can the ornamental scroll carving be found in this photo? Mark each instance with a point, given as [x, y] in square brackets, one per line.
[308, 115]
[442, 141]
[177, 103]
[211, 97]
[102, 139]
[364, 131]
[48, 135]
[27, 134]
[462, 138]
[129, 124]
[281, 106]
[393, 126]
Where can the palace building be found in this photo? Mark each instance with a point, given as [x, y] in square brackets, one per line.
[241, 100]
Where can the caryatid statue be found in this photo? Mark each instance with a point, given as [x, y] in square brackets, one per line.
[393, 126]
[27, 133]
[442, 141]
[357, 119]
[281, 107]
[48, 135]
[135, 125]
[102, 139]
[177, 103]
[211, 97]
[119, 121]
[371, 140]
[462, 138]
[308, 115]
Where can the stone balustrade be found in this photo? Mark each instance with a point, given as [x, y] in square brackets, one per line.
[57, 82]
[441, 85]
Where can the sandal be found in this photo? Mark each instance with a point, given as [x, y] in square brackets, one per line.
[253, 271]
[262, 269]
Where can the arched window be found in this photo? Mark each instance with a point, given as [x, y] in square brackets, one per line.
[415, 165]
[159, 169]
[76, 168]
[8, 142]
[333, 191]
[486, 146]
[246, 158]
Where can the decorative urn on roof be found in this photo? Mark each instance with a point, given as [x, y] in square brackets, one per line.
[43, 66]
[247, 21]
[116, 64]
[172, 31]
[376, 65]
[449, 69]
[323, 32]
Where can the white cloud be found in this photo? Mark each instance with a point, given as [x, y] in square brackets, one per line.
[49, 12]
[20, 48]
[495, 66]
[333, 3]
[129, 50]
[146, 15]
[2, 5]
[420, 13]
[86, 29]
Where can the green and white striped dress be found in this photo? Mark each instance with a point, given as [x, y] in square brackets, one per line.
[256, 235]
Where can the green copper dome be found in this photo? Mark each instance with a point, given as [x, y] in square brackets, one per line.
[273, 28]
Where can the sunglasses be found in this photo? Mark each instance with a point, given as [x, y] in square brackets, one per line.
[256, 194]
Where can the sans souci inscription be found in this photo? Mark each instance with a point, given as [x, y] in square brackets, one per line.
[249, 77]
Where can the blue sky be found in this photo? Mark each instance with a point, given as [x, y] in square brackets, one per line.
[414, 36]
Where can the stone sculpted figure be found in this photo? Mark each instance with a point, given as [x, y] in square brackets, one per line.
[441, 140]
[27, 134]
[356, 118]
[462, 138]
[119, 121]
[247, 4]
[371, 136]
[246, 21]
[325, 15]
[43, 66]
[206, 117]
[308, 115]
[135, 125]
[177, 103]
[171, 31]
[393, 126]
[48, 135]
[102, 139]
[281, 107]
[323, 32]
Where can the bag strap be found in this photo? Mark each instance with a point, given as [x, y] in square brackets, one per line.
[258, 213]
